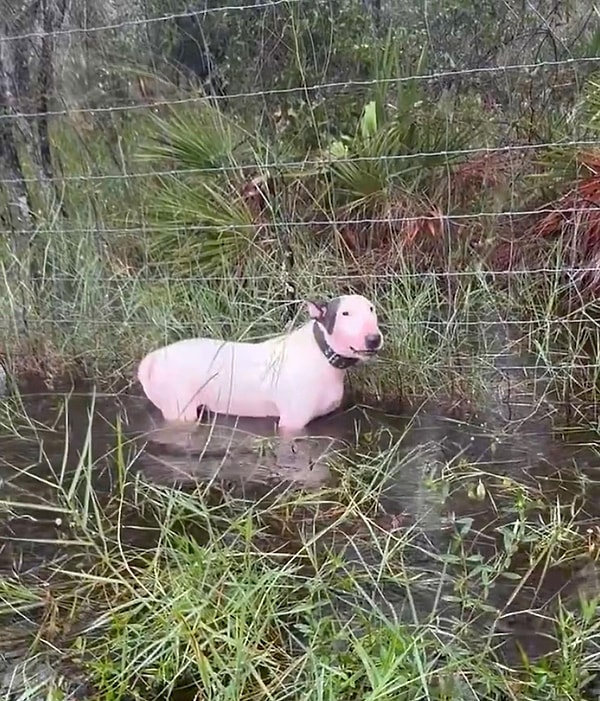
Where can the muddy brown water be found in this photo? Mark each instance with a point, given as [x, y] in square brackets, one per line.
[520, 438]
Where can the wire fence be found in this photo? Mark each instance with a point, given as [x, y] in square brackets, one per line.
[170, 170]
[460, 145]
[449, 154]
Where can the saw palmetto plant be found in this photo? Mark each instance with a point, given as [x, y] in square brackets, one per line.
[206, 220]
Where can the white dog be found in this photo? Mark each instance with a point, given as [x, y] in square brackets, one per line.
[294, 377]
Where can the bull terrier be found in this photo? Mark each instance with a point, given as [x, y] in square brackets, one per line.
[294, 377]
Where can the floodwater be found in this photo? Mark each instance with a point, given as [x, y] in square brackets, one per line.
[515, 437]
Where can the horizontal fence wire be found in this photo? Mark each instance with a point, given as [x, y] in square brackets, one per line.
[304, 89]
[441, 216]
[281, 165]
[406, 323]
[148, 20]
[381, 275]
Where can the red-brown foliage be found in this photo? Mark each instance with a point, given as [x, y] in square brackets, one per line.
[574, 222]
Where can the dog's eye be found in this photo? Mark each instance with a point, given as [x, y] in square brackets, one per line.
[371, 309]
[345, 313]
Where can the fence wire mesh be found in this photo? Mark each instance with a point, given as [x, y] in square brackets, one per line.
[169, 169]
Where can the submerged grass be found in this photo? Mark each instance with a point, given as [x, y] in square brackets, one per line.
[411, 576]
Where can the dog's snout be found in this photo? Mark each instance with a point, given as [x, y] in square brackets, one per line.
[373, 341]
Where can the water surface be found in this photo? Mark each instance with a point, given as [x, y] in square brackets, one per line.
[516, 438]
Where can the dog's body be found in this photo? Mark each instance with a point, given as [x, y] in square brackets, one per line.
[294, 377]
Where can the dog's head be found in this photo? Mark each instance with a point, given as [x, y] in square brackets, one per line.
[349, 324]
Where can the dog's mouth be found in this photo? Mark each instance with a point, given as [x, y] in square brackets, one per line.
[365, 351]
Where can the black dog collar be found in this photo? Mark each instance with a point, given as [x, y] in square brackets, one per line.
[341, 362]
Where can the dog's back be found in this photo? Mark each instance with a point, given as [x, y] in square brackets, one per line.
[225, 377]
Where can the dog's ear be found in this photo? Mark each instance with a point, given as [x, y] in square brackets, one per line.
[317, 308]
[325, 312]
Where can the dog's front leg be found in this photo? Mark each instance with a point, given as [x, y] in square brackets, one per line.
[288, 453]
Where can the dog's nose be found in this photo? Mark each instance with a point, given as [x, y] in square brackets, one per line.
[373, 341]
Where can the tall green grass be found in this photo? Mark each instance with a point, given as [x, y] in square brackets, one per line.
[97, 295]
[358, 589]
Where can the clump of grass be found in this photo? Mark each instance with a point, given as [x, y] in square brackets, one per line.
[358, 589]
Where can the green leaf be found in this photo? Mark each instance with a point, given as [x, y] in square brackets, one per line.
[368, 121]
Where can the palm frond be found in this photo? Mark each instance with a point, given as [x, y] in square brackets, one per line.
[202, 141]
[204, 195]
